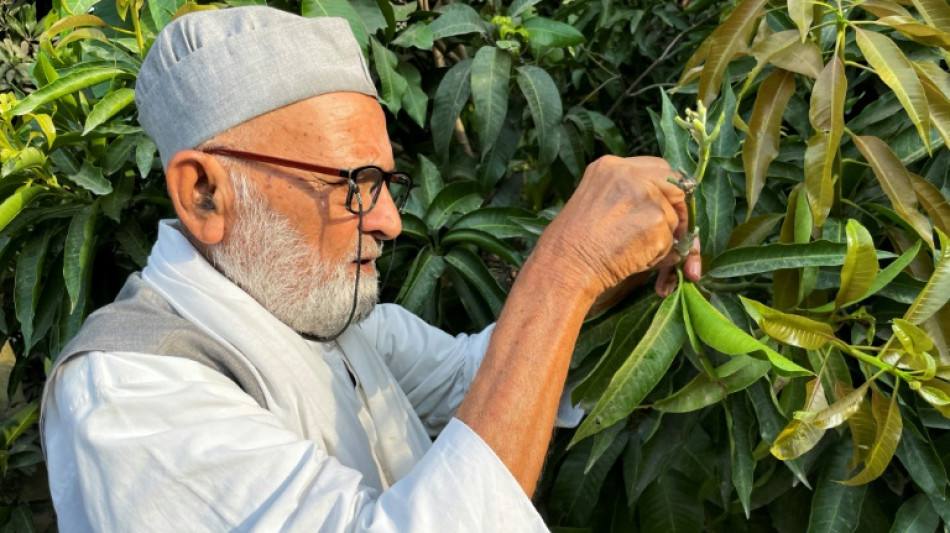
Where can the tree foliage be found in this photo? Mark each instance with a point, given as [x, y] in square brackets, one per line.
[805, 371]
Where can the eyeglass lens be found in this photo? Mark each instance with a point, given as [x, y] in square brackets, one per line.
[370, 181]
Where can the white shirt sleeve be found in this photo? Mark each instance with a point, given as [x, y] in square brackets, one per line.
[434, 368]
[139, 442]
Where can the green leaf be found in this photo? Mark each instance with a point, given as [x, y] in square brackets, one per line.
[719, 202]
[117, 154]
[68, 84]
[544, 102]
[450, 97]
[674, 140]
[22, 419]
[626, 335]
[430, 180]
[794, 330]
[498, 221]
[15, 203]
[835, 507]
[485, 241]
[394, 86]
[421, 283]
[704, 390]
[457, 19]
[920, 458]
[826, 114]
[90, 178]
[725, 42]
[78, 250]
[670, 504]
[417, 35]
[494, 164]
[916, 515]
[27, 285]
[70, 22]
[761, 144]
[648, 362]
[800, 436]
[470, 267]
[860, 264]
[337, 8]
[753, 231]
[415, 101]
[133, 241]
[28, 158]
[936, 292]
[575, 492]
[491, 72]
[145, 150]
[802, 12]
[107, 108]
[770, 257]
[521, 6]
[114, 202]
[897, 73]
[740, 424]
[720, 333]
[459, 197]
[935, 12]
[546, 32]
[889, 426]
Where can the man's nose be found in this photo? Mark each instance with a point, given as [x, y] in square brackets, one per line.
[383, 219]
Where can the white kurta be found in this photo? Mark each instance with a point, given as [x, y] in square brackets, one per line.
[141, 442]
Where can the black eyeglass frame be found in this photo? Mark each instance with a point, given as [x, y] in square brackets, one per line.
[350, 175]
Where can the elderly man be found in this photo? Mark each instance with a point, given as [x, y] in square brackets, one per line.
[246, 380]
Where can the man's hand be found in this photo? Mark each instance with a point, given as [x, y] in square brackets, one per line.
[623, 219]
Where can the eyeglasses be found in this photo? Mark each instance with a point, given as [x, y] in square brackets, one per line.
[363, 182]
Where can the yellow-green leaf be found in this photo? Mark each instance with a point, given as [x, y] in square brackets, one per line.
[720, 333]
[895, 180]
[861, 424]
[887, 416]
[917, 349]
[936, 392]
[106, 108]
[883, 8]
[45, 122]
[799, 436]
[935, 12]
[70, 22]
[839, 412]
[897, 73]
[726, 41]
[762, 143]
[936, 292]
[789, 329]
[915, 31]
[826, 114]
[704, 390]
[802, 13]
[936, 83]
[860, 264]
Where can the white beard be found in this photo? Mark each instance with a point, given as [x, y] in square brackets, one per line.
[266, 257]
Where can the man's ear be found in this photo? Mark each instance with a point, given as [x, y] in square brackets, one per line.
[201, 192]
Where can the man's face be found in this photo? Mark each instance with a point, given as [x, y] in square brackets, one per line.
[295, 250]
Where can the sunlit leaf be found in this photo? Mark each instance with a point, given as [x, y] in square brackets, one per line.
[727, 40]
[70, 22]
[936, 292]
[863, 428]
[887, 415]
[640, 372]
[799, 436]
[837, 413]
[915, 31]
[68, 84]
[860, 264]
[883, 8]
[936, 83]
[802, 12]
[935, 12]
[761, 145]
[896, 182]
[795, 330]
[826, 114]
[720, 333]
[14, 204]
[491, 71]
[897, 72]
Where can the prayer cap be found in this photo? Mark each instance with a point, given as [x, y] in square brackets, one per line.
[209, 71]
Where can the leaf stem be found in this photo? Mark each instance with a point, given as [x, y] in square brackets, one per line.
[874, 361]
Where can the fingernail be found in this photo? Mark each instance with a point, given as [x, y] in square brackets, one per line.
[695, 271]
